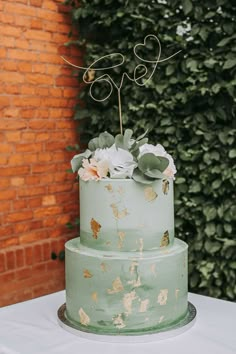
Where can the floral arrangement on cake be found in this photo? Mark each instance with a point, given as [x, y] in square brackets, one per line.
[123, 156]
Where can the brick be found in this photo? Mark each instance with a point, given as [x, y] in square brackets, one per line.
[36, 3]
[43, 168]
[19, 205]
[17, 181]
[3, 52]
[37, 252]
[55, 92]
[24, 273]
[13, 171]
[59, 188]
[12, 125]
[32, 180]
[24, 10]
[35, 202]
[47, 211]
[20, 258]
[9, 242]
[22, 44]
[28, 255]
[67, 81]
[41, 125]
[7, 195]
[19, 216]
[39, 68]
[24, 227]
[28, 136]
[31, 191]
[38, 35]
[49, 200]
[7, 30]
[5, 230]
[29, 147]
[11, 112]
[45, 157]
[50, 58]
[24, 67]
[15, 159]
[27, 90]
[6, 18]
[4, 100]
[46, 251]
[42, 137]
[12, 89]
[10, 260]
[39, 79]
[8, 42]
[22, 55]
[49, 5]
[36, 24]
[4, 183]
[5, 148]
[2, 262]
[42, 91]
[32, 237]
[28, 113]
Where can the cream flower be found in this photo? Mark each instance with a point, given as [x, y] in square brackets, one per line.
[159, 150]
[121, 162]
[93, 170]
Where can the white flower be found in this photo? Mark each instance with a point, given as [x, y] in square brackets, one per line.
[121, 163]
[159, 150]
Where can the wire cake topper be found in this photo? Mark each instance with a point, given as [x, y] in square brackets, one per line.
[138, 79]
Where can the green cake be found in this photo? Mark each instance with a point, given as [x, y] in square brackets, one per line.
[127, 273]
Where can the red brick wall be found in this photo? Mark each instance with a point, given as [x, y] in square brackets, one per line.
[37, 196]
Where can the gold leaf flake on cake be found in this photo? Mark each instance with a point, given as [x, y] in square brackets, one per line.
[161, 319]
[150, 194]
[165, 240]
[87, 274]
[95, 227]
[121, 190]
[133, 267]
[144, 305]
[177, 293]
[119, 322]
[128, 301]
[94, 296]
[153, 269]
[84, 318]
[109, 187]
[117, 286]
[162, 297]
[118, 214]
[135, 282]
[165, 186]
[140, 241]
[121, 235]
[104, 267]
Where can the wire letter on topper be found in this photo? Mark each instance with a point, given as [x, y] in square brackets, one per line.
[139, 74]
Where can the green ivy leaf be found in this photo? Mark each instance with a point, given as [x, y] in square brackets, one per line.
[187, 6]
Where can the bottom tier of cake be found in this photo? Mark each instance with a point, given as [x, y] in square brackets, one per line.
[125, 292]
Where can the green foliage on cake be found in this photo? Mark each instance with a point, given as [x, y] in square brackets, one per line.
[189, 106]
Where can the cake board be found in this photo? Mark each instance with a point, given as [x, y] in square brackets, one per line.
[149, 336]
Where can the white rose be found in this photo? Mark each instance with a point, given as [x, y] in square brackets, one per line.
[159, 150]
[121, 163]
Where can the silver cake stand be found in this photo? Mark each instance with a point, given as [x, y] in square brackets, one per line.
[182, 326]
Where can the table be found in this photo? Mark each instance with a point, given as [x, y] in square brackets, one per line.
[31, 327]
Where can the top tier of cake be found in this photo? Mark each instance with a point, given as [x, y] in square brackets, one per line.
[123, 215]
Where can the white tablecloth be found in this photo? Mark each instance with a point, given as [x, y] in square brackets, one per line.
[31, 327]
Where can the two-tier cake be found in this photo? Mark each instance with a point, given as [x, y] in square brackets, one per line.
[127, 273]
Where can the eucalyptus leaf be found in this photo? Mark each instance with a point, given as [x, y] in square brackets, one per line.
[77, 160]
[150, 161]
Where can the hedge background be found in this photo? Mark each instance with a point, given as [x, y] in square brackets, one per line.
[189, 107]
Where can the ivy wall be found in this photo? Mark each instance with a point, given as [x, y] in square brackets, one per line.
[188, 106]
